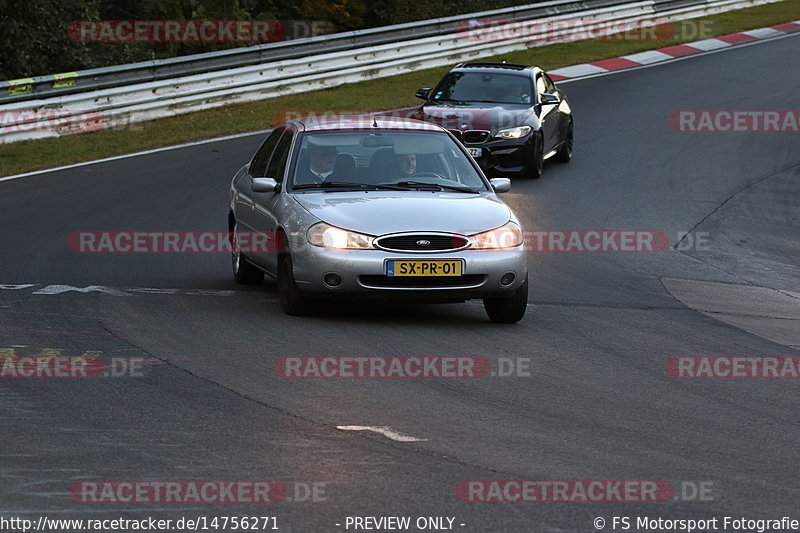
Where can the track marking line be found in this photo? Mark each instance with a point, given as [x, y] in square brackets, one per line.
[137, 154]
[387, 432]
[56, 289]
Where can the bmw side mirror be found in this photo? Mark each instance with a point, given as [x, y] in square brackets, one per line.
[500, 184]
[548, 99]
[423, 93]
[266, 185]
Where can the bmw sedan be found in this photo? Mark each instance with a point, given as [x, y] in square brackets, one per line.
[379, 208]
[510, 117]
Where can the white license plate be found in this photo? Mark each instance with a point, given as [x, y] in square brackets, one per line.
[475, 152]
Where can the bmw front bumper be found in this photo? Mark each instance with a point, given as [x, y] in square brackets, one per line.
[505, 156]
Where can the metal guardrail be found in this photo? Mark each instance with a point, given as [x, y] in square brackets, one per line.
[160, 69]
[119, 106]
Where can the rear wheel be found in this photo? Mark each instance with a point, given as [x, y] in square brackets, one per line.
[292, 299]
[243, 271]
[564, 153]
[510, 309]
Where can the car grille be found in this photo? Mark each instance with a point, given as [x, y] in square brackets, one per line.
[472, 136]
[412, 242]
[475, 136]
[421, 282]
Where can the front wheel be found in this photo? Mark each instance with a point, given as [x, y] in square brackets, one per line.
[535, 169]
[509, 309]
[292, 299]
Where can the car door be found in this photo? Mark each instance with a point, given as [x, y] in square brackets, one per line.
[561, 115]
[548, 114]
[266, 220]
[244, 199]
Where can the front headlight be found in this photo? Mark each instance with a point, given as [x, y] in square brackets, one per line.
[506, 236]
[327, 236]
[514, 133]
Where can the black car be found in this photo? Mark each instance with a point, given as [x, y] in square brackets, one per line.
[510, 117]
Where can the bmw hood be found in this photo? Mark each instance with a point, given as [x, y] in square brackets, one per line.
[382, 212]
[477, 117]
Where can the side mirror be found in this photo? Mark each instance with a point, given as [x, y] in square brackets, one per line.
[266, 185]
[549, 98]
[423, 93]
[500, 184]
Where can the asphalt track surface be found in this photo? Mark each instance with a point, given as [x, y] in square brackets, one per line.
[598, 403]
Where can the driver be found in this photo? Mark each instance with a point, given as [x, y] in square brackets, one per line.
[518, 94]
[405, 165]
[321, 162]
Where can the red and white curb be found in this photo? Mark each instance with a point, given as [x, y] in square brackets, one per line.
[672, 52]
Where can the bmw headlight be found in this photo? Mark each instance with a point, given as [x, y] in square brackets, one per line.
[508, 235]
[514, 133]
[327, 236]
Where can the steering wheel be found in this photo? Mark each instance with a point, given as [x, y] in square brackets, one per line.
[427, 175]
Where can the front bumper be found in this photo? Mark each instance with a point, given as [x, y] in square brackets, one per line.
[363, 274]
[505, 156]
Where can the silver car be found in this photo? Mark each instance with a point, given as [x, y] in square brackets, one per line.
[375, 207]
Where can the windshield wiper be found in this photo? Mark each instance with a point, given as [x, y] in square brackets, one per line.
[458, 102]
[423, 185]
[346, 185]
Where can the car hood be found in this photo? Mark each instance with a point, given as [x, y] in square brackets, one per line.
[381, 212]
[478, 116]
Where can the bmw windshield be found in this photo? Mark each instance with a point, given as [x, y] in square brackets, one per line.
[470, 87]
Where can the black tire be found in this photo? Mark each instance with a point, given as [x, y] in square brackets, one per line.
[535, 170]
[243, 271]
[292, 299]
[508, 310]
[564, 153]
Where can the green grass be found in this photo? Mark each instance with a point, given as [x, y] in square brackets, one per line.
[386, 93]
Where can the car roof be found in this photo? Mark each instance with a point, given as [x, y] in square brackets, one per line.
[509, 68]
[366, 122]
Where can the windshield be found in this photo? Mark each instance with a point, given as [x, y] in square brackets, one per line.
[384, 160]
[484, 87]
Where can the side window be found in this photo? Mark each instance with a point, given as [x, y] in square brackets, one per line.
[541, 85]
[277, 165]
[551, 87]
[258, 166]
